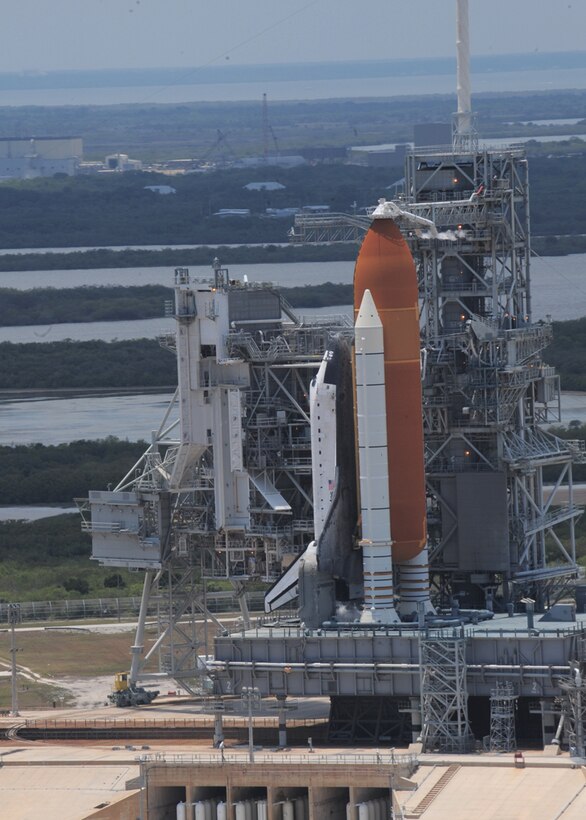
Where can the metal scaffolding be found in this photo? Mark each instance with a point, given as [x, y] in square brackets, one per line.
[503, 701]
[328, 227]
[574, 702]
[486, 389]
[224, 490]
[444, 696]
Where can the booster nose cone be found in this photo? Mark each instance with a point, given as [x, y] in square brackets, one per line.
[367, 314]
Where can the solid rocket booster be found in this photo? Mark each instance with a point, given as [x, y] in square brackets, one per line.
[373, 463]
[385, 267]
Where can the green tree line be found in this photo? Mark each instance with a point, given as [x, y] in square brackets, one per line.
[48, 560]
[48, 306]
[567, 353]
[102, 258]
[46, 474]
[118, 210]
[95, 364]
[162, 131]
[168, 257]
[143, 363]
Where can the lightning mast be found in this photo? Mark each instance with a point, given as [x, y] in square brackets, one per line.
[265, 128]
[465, 137]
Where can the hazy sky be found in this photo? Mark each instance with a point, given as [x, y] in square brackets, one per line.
[73, 34]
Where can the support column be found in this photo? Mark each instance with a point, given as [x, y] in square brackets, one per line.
[281, 701]
[229, 802]
[353, 795]
[218, 728]
[137, 649]
[415, 706]
[272, 810]
[548, 721]
[240, 594]
[444, 697]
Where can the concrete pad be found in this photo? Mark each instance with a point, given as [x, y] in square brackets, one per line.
[60, 793]
[506, 793]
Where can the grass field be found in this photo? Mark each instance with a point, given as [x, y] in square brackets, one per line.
[60, 654]
[63, 653]
[32, 695]
[69, 653]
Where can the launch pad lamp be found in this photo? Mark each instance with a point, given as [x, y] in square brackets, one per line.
[530, 612]
[252, 698]
[14, 617]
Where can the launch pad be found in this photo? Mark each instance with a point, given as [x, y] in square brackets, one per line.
[229, 491]
[389, 683]
[409, 483]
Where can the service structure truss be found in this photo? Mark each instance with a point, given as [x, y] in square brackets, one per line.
[224, 490]
[574, 702]
[444, 696]
[488, 394]
[503, 702]
[497, 532]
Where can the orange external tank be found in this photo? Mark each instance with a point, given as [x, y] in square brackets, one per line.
[386, 268]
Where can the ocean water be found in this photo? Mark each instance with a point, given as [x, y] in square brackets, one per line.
[302, 81]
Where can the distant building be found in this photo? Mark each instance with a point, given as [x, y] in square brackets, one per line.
[328, 153]
[122, 162]
[225, 212]
[281, 213]
[315, 209]
[112, 164]
[91, 167]
[39, 157]
[264, 186]
[386, 155]
[281, 162]
[161, 189]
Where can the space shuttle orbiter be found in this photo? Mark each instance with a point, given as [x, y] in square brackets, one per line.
[370, 535]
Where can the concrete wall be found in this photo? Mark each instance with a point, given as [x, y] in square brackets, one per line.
[329, 787]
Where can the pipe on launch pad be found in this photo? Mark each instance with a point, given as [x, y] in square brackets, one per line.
[475, 669]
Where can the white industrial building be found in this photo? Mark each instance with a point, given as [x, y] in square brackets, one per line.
[26, 158]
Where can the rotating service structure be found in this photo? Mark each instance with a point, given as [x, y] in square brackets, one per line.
[224, 492]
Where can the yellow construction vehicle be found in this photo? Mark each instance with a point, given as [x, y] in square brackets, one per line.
[123, 694]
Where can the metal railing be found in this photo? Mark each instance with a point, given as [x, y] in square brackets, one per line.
[81, 609]
[385, 758]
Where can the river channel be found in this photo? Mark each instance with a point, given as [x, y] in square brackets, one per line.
[558, 290]
[558, 286]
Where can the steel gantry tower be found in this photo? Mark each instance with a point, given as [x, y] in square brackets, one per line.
[224, 490]
[488, 394]
[487, 391]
